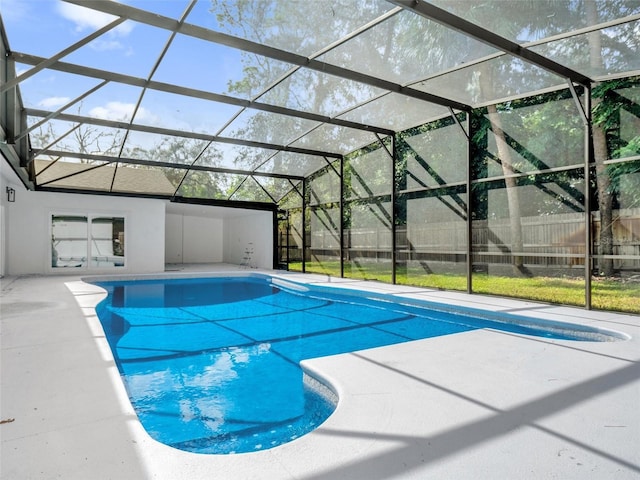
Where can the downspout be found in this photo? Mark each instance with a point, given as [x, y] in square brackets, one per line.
[304, 225]
[341, 235]
[275, 260]
[469, 207]
[394, 209]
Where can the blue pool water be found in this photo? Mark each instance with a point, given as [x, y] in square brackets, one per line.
[211, 365]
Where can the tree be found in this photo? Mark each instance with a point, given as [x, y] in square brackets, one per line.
[408, 47]
[184, 152]
[499, 79]
[305, 28]
[607, 144]
[79, 138]
[596, 55]
[511, 184]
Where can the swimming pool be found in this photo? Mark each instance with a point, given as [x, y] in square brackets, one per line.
[212, 365]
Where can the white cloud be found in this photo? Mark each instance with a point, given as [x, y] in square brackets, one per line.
[53, 102]
[146, 116]
[119, 111]
[87, 19]
[106, 45]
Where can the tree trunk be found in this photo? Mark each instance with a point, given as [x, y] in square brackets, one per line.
[601, 154]
[513, 198]
[605, 201]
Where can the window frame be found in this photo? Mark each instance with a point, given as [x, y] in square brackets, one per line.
[89, 256]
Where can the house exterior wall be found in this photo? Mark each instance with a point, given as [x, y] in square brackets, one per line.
[193, 239]
[173, 252]
[28, 231]
[249, 232]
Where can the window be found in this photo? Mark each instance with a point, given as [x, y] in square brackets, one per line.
[81, 241]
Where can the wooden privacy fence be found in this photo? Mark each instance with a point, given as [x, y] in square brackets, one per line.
[553, 241]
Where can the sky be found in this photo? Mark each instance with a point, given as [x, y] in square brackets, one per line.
[46, 27]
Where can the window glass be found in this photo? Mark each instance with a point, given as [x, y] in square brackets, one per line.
[68, 241]
[81, 241]
[107, 242]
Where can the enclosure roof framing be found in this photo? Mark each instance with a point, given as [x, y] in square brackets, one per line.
[171, 132]
[108, 6]
[191, 92]
[454, 22]
[259, 94]
[154, 163]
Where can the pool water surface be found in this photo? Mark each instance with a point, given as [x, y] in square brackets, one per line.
[212, 365]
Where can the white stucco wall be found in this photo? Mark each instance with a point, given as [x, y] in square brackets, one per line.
[203, 240]
[173, 238]
[8, 179]
[245, 231]
[28, 235]
[3, 243]
[193, 239]
[154, 236]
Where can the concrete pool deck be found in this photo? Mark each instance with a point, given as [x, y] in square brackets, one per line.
[476, 405]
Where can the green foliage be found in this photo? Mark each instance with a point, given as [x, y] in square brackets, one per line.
[182, 152]
[605, 113]
[631, 149]
[625, 182]
[196, 184]
[617, 112]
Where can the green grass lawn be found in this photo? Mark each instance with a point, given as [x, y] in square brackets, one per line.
[606, 294]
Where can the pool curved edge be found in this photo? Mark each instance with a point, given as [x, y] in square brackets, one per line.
[318, 376]
[322, 390]
[590, 333]
[341, 287]
[444, 407]
[321, 397]
[370, 415]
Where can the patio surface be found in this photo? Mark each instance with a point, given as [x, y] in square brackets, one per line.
[476, 405]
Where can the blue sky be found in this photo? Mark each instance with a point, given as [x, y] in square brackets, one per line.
[46, 27]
